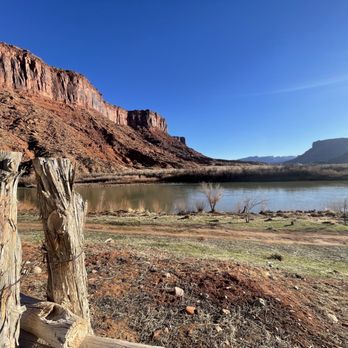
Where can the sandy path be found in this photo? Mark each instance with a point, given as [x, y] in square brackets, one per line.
[218, 232]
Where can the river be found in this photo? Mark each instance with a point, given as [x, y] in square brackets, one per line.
[175, 197]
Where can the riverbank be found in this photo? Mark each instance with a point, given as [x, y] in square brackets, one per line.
[238, 172]
[278, 281]
[225, 236]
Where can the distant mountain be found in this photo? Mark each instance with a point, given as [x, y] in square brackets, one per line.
[268, 159]
[325, 151]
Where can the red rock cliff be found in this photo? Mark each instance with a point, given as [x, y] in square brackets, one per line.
[21, 70]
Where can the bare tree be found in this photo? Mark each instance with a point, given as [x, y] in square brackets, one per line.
[248, 205]
[342, 209]
[213, 193]
[200, 206]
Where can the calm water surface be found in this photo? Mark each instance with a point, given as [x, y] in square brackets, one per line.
[174, 197]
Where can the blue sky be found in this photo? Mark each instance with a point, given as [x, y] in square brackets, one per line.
[237, 78]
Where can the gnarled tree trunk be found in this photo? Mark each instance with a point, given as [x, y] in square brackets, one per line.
[63, 216]
[54, 324]
[10, 250]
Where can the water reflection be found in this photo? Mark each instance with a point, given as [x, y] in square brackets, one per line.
[174, 197]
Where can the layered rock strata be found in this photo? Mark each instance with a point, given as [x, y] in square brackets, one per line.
[21, 70]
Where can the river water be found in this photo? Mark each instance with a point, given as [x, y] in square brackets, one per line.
[175, 197]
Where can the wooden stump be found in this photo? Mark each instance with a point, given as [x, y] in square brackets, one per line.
[10, 250]
[54, 324]
[63, 215]
[46, 324]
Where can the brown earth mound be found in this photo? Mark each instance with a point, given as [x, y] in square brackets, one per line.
[133, 298]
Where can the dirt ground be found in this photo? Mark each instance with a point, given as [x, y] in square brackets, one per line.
[237, 301]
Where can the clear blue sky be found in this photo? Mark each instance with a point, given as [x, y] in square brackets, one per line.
[236, 78]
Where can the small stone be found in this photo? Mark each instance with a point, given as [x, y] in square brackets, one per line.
[296, 287]
[218, 328]
[190, 310]
[167, 275]
[299, 276]
[153, 269]
[109, 241]
[37, 270]
[179, 292]
[156, 335]
[262, 301]
[226, 311]
[332, 318]
[94, 271]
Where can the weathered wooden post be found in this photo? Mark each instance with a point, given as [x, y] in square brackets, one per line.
[10, 250]
[63, 215]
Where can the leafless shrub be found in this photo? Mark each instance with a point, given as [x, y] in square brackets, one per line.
[213, 193]
[342, 209]
[248, 205]
[180, 207]
[200, 206]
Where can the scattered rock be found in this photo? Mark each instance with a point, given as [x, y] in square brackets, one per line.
[226, 311]
[275, 256]
[167, 275]
[94, 271]
[109, 241]
[153, 269]
[332, 318]
[37, 270]
[296, 287]
[190, 310]
[218, 328]
[262, 302]
[179, 292]
[298, 276]
[156, 335]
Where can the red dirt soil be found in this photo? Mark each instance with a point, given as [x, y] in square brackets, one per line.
[41, 127]
[132, 298]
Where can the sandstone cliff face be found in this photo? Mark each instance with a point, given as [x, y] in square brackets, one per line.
[20, 70]
[146, 119]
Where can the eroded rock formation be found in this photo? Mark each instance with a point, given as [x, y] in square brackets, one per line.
[21, 70]
[48, 112]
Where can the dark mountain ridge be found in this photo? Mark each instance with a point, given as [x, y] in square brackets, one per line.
[267, 159]
[325, 151]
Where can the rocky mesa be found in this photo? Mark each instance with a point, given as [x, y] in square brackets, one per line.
[46, 111]
[21, 70]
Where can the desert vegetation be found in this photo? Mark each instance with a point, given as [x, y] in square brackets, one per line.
[213, 193]
[246, 284]
[223, 173]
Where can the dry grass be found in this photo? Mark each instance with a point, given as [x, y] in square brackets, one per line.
[224, 173]
[237, 306]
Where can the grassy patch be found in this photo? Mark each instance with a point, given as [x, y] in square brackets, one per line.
[318, 261]
[235, 222]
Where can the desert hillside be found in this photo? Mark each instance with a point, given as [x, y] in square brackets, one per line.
[45, 111]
